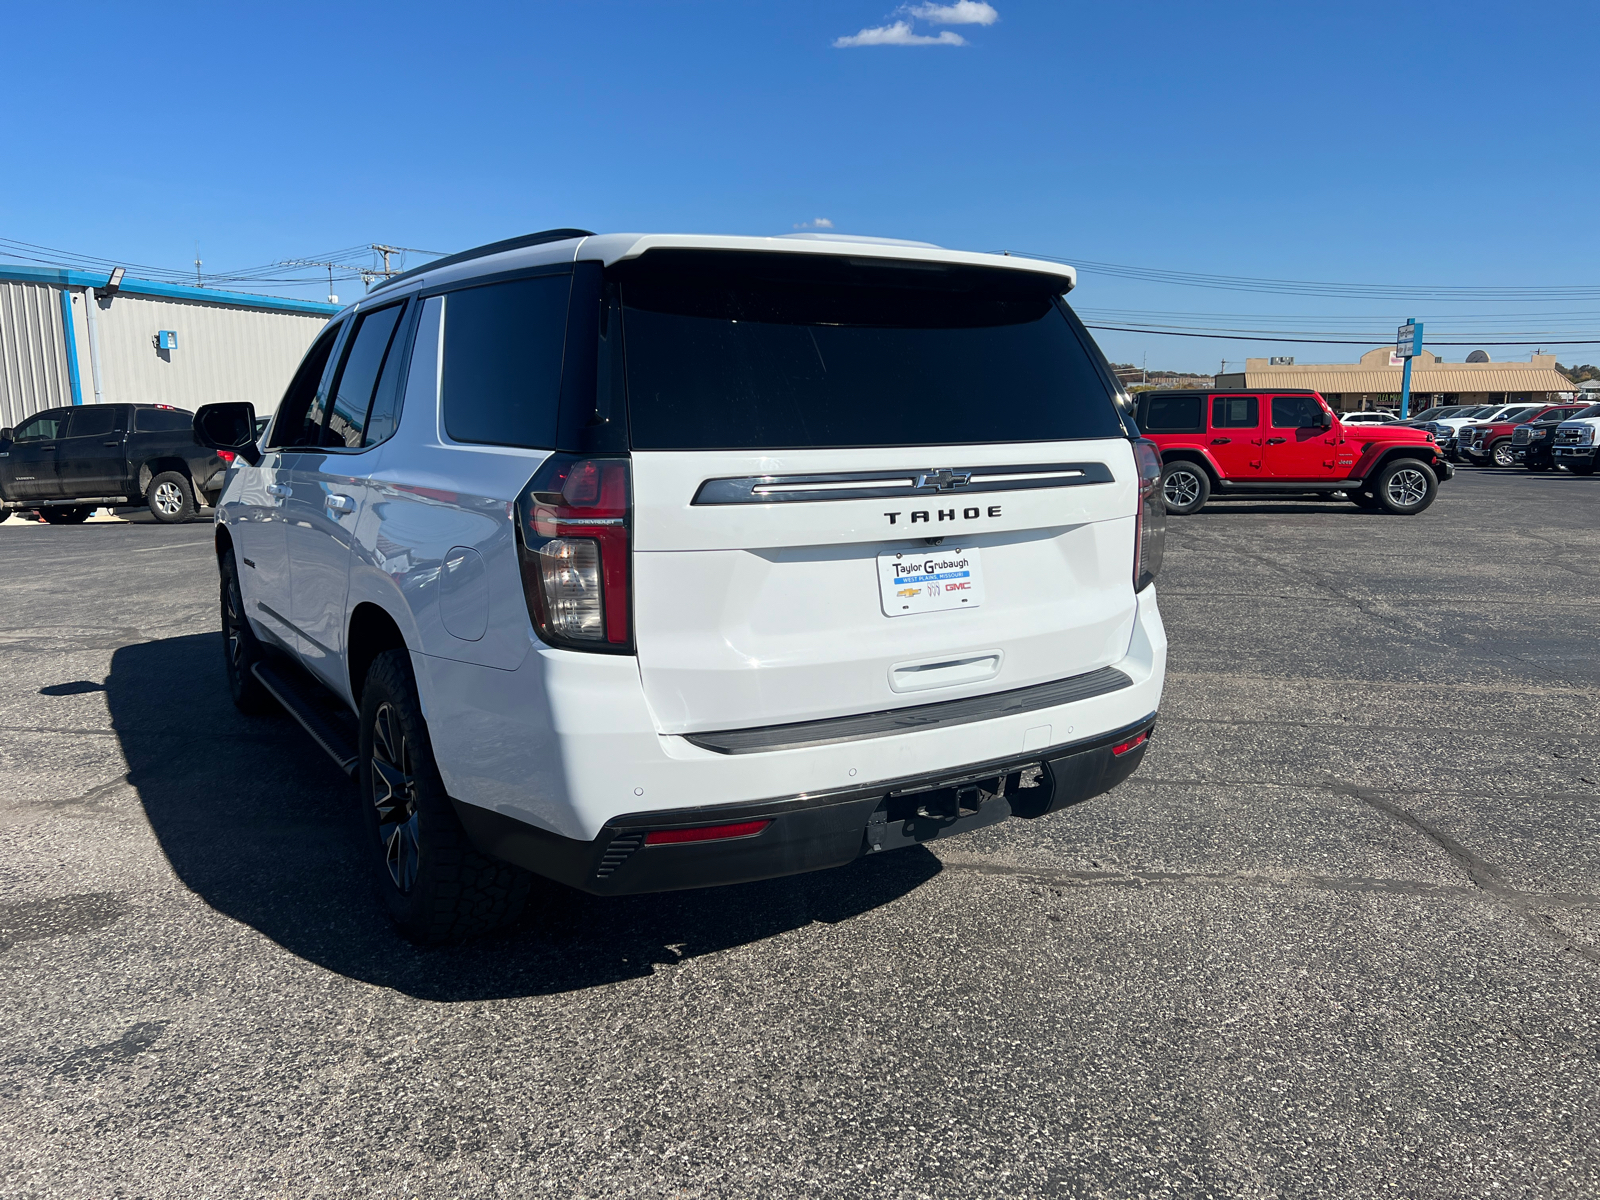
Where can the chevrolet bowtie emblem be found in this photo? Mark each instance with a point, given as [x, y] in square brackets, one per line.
[943, 480]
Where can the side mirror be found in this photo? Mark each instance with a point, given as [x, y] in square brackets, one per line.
[229, 426]
[7, 436]
[1327, 419]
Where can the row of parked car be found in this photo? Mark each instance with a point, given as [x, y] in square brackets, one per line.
[1539, 437]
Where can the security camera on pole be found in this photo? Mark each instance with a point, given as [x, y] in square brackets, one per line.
[1407, 344]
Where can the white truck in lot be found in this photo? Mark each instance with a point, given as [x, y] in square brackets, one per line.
[650, 562]
[1577, 440]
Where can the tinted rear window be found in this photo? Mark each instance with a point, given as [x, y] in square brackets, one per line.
[502, 361]
[771, 352]
[94, 420]
[1173, 414]
[162, 420]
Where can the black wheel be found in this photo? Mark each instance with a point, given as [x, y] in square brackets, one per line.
[435, 886]
[240, 649]
[66, 516]
[1405, 486]
[1536, 464]
[1581, 468]
[169, 498]
[1185, 488]
[1501, 454]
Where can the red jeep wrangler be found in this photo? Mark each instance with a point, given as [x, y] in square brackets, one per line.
[1284, 442]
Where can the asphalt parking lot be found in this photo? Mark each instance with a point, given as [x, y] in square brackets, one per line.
[1339, 937]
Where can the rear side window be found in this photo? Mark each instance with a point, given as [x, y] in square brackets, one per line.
[1235, 412]
[1174, 414]
[502, 361]
[1295, 412]
[731, 351]
[357, 381]
[162, 420]
[96, 420]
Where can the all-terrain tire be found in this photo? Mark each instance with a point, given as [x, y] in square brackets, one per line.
[240, 648]
[66, 516]
[170, 498]
[1405, 486]
[1185, 487]
[434, 885]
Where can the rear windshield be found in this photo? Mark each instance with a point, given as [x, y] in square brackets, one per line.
[731, 351]
[162, 420]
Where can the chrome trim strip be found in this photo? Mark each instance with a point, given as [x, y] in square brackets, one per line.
[941, 482]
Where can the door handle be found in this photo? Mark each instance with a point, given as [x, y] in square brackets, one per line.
[111, 443]
[47, 447]
[1220, 441]
[279, 489]
[1276, 441]
[340, 503]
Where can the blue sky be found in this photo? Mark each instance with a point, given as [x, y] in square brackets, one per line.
[1449, 145]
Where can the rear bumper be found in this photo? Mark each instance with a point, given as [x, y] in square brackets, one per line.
[813, 833]
[567, 742]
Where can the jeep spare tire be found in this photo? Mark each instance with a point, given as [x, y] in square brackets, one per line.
[1405, 486]
[1185, 488]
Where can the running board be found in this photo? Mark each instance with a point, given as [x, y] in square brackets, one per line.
[301, 701]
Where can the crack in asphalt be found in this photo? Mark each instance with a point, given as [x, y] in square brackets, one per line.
[1483, 874]
[1136, 877]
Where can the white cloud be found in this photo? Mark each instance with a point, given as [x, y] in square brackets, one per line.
[899, 34]
[819, 223]
[962, 12]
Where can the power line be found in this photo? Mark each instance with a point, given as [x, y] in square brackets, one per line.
[1379, 339]
[1355, 291]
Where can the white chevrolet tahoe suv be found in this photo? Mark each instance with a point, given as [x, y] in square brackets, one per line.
[654, 562]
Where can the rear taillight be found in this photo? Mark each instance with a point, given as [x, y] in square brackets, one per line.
[226, 456]
[573, 544]
[1150, 530]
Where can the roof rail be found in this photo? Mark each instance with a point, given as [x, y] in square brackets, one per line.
[516, 243]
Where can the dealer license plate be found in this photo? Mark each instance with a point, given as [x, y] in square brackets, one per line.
[930, 580]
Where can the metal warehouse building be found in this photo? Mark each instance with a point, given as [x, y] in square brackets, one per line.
[71, 337]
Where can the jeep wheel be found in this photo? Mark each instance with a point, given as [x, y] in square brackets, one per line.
[435, 886]
[1502, 455]
[169, 498]
[240, 649]
[1406, 486]
[66, 516]
[1185, 488]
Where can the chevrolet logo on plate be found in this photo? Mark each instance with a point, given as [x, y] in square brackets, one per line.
[943, 479]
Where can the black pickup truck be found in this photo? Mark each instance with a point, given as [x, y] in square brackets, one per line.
[66, 462]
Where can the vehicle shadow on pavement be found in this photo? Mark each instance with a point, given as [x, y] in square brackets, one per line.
[261, 825]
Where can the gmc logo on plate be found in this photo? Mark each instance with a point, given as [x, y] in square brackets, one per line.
[945, 514]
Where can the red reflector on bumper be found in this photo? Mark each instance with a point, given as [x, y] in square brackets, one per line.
[1130, 744]
[704, 833]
